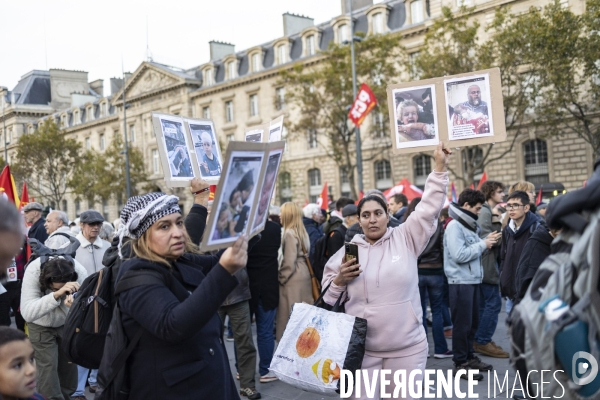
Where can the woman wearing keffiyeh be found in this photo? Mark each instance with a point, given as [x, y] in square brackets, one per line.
[180, 354]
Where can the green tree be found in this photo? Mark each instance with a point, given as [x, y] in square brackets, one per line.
[102, 175]
[46, 159]
[562, 51]
[452, 46]
[322, 94]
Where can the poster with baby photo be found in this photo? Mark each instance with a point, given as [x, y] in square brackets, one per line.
[235, 200]
[267, 187]
[469, 110]
[415, 116]
[207, 149]
[174, 149]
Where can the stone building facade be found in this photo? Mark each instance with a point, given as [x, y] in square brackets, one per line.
[241, 89]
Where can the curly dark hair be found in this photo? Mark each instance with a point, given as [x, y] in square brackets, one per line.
[56, 270]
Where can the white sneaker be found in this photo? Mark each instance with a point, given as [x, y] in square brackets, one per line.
[270, 377]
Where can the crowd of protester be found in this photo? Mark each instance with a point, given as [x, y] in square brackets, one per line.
[455, 262]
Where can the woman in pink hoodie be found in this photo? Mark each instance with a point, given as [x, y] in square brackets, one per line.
[384, 287]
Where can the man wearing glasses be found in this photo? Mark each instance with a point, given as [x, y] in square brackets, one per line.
[514, 237]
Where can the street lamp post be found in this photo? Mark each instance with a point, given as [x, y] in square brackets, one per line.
[127, 177]
[359, 166]
[4, 130]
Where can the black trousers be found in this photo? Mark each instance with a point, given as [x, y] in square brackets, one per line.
[11, 299]
[464, 306]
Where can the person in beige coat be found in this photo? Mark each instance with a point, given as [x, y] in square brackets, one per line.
[294, 277]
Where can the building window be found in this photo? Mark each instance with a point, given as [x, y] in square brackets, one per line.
[377, 22]
[345, 181]
[312, 139]
[77, 207]
[231, 70]
[76, 117]
[314, 184]
[285, 187]
[536, 161]
[473, 156]
[206, 112]
[155, 162]
[89, 114]
[280, 98]
[383, 175]
[88, 144]
[343, 33]
[105, 209]
[253, 105]
[132, 133]
[256, 62]
[414, 71]
[63, 121]
[103, 109]
[421, 169]
[416, 11]
[378, 125]
[229, 111]
[230, 137]
[208, 77]
[310, 45]
[281, 54]
[101, 141]
[64, 206]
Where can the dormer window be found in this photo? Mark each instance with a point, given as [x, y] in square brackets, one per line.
[76, 117]
[378, 23]
[103, 109]
[207, 77]
[416, 12]
[231, 70]
[311, 38]
[377, 16]
[64, 121]
[310, 45]
[89, 113]
[255, 60]
[30, 128]
[281, 54]
[343, 33]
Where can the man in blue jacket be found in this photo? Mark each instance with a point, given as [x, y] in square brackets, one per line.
[462, 265]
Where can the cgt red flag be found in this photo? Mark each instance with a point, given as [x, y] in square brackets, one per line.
[482, 180]
[323, 200]
[363, 104]
[538, 200]
[8, 187]
[24, 195]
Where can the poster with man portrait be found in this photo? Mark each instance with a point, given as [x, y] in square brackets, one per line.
[257, 133]
[456, 110]
[469, 113]
[415, 116]
[207, 149]
[174, 148]
[267, 188]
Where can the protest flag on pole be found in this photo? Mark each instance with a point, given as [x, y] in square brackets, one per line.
[538, 200]
[363, 104]
[8, 187]
[24, 195]
[323, 200]
[482, 180]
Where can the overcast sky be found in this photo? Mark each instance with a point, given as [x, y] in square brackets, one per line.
[94, 36]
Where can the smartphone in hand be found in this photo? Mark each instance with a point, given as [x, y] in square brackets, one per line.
[351, 251]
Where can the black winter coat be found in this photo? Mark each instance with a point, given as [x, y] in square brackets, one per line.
[263, 268]
[180, 354]
[511, 250]
[314, 234]
[38, 231]
[434, 252]
[535, 252]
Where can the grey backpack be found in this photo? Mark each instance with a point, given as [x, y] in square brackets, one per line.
[574, 277]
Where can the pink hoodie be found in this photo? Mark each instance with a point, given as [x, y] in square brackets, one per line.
[386, 293]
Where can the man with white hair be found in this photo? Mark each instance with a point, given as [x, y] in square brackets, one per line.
[210, 165]
[57, 227]
[312, 219]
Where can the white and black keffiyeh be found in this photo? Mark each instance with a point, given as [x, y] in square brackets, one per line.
[141, 212]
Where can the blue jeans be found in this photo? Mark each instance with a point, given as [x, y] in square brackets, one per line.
[264, 337]
[82, 374]
[446, 306]
[490, 304]
[434, 286]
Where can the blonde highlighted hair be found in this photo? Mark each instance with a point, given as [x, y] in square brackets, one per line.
[291, 220]
[522, 185]
[141, 248]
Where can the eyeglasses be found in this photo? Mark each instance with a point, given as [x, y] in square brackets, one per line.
[513, 206]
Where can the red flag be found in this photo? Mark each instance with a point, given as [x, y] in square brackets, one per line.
[361, 194]
[363, 104]
[323, 200]
[472, 186]
[24, 195]
[538, 200]
[483, 179]
[405, 187]
[7, 186]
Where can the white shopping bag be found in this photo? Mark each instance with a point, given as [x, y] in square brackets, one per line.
[316, 345]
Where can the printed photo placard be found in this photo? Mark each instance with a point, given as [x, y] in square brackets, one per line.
[459, 110]
[276, 129]
[257, 133]
[206, 148]
[175, 149]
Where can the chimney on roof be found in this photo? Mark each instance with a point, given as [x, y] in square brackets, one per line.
[356, 4]
[219, 50]
[293, 23]
[98, 86]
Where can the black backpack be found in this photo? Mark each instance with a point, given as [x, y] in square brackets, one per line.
[39, 250]
[87, 323]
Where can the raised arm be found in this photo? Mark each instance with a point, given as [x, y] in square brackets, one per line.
[422, 223]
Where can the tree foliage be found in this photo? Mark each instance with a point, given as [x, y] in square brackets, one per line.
[452, 46]
[323, 92]
[46, 159]
[101, 175]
